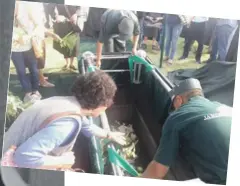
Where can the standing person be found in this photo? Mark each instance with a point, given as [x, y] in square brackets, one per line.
[151, 28]
[22, 53]
[198, 130]
[34, 9]
[68, 23]
[45, 133]
[223, 31]
[117, 26]
[195, 32]
[174, 26]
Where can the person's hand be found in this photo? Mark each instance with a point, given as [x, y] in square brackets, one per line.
[134, 51]
[159, 19]
[68, 159]
[61, 18]
[20, 40]
[98, 63]
[57, 38]
[73, 19]
[118, 137]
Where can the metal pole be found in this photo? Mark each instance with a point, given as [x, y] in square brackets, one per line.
[162, 41]
[166, 86]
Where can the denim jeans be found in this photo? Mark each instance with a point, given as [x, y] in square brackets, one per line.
[221, 42]
[172, 34]
[22, 60]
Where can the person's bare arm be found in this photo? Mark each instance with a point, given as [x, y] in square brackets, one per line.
[52, 34]
[135, 42]
[90, 129]
[99, 53]
[155, 170]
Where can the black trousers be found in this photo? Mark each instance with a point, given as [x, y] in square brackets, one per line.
[194, 33]
[114, 45]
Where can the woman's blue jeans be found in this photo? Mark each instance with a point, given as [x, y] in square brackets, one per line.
[22, 60]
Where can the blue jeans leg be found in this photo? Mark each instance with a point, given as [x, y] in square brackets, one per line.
[31, 63]
[176, 31]
[19, 63]
[223, 35]
[168, 39]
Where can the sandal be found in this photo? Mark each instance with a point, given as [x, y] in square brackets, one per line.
[72, 67]
[155, 47]
[65, 67]
[169, 62]
[47, 84]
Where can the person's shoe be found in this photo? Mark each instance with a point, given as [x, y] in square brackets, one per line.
[169, 62]
[198, 61]
[155, 47]
[37, 95]
[65, 67]
[27, 98]
[72, 67]
[182, 58]
[209, 60]
[47, 84]
[166, 58]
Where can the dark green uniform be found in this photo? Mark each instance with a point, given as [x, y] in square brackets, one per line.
[109, 29]
[199, 131]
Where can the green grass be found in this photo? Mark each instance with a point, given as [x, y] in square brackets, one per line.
[55, 60]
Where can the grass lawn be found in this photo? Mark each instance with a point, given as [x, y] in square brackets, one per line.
[55, 60]
[63, 79]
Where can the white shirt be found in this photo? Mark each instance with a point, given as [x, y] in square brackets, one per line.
[27, 29]
[197, 19]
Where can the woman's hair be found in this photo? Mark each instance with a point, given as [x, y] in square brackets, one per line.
[94, 89]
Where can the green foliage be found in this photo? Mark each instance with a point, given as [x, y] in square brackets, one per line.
[14, 107]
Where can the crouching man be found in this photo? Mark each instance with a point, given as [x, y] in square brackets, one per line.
[199, 131]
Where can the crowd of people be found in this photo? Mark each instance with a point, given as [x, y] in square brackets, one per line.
[45, 133]
[66, 23]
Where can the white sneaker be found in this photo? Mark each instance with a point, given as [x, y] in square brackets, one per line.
[27, 98]
[37, 95]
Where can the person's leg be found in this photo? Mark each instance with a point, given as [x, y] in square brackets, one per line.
[34, 73]
[224, 33]
[71, 64]
[200, 30]
[144, 43]
[67, 63]
[168, 40]
[109, 46]
[214, 49]
[187, 46]
[155, 45]
[119, 45]
[177, 29]
[42, 80]
[19, 63]
[199, 52]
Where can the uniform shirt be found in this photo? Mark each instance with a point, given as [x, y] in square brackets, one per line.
[199, 131]
[109, 24]
[58, 133]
